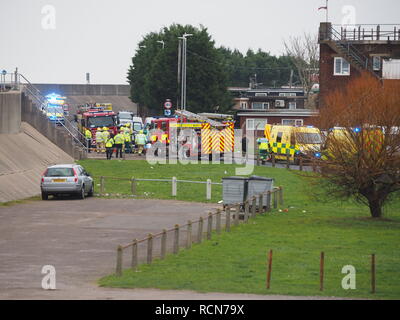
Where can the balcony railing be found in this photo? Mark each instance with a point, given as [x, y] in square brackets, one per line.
[368, 32]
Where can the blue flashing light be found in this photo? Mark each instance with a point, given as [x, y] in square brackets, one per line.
[357, 130]
[310, 126]
[318, 155]
[298, 152]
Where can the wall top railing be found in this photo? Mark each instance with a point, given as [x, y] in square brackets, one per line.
[368, 32]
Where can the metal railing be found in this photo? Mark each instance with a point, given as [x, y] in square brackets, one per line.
[369, 32]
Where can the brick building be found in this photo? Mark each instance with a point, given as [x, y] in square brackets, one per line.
[345, 52]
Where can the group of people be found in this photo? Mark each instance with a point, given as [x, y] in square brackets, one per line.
[121, 142]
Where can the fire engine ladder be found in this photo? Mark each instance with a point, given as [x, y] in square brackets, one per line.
[196, 117]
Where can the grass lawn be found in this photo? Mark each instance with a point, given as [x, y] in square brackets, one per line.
[236, 261]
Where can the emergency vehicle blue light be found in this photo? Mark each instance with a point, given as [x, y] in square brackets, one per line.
[318, 154]
[356, 130]
[310, 126]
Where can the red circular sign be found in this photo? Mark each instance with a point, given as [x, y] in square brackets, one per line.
[167, 105]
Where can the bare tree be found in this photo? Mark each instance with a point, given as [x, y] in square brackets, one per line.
[361, 158]
[304, 52]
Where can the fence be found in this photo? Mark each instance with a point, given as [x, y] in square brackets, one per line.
[171, 240]
[300, 165]
[174, 184]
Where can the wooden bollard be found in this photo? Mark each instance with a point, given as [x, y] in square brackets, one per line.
[228, 219]
[163, 244]
[321, 271]
[149, 248]
[373, 274]
[189, 235]
[102, 185]
[287, 161]
[260, 203]
[273, 160]
[253, 207]
[118, 270]
[301, 164]
[246, 211]
[209, 225]
[134, 262]
[275, 197]
[268, 201]
[218, 221]
[280, 195]
[176, 239]
[133, 186]
[200, 230]
[269, 270]
[237, 211]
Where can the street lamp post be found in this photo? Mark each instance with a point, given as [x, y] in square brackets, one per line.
[183, 68]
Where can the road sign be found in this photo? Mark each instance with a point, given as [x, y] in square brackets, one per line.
[168, 104]
[167, 112]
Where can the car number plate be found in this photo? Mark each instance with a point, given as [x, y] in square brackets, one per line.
[59, 180]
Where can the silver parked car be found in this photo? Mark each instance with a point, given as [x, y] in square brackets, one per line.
[66, 179]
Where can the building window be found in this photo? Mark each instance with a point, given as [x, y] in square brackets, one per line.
[243, 105]
[256, 124]
[260, 94]
[260, 105]
[376, 63]
[342, 67]
[287, 94]
[292, 122]
[292, 105]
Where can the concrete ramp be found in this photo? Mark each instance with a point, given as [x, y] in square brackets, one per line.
[23, 159]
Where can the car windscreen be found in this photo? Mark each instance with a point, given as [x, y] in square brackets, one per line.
[100, 122]
[55, 110]
[137, 126]
[308, 138]
[59, 172]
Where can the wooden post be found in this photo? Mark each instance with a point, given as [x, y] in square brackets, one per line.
[280, 195]
[208, 191]
[149, 248]
[246, 211]
[321, 271]
[164, 244]
[237, 210]
[301, 164]
[133, 186]
[218, 221]
[101, 185]
[119, 261]
[189, 235]
[269, 269]
[275, 199]
[134, 262]
[200, 230]
[287, 161]
[260, 203]
[373, 272]
[313, 165]
[268, 201]
[253, 207]
[209, 226]
[174, 189]
[273, 160]
[228, 219]
[176, 239]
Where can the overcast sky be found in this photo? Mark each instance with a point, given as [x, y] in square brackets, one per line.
[58, 41]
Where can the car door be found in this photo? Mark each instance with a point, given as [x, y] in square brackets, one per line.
[87, 180]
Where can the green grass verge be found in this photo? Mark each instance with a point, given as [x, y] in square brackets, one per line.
[236, 262]
[14, 202]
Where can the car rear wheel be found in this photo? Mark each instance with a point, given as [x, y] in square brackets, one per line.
[90, 194]
[45, 196]
[82, 193]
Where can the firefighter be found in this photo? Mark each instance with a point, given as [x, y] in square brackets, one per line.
[128, 141]
[88, 136]
[119, 141]
[99, 140]
[140, 141]
[263, 149]
[106, 135]
[109, 147]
